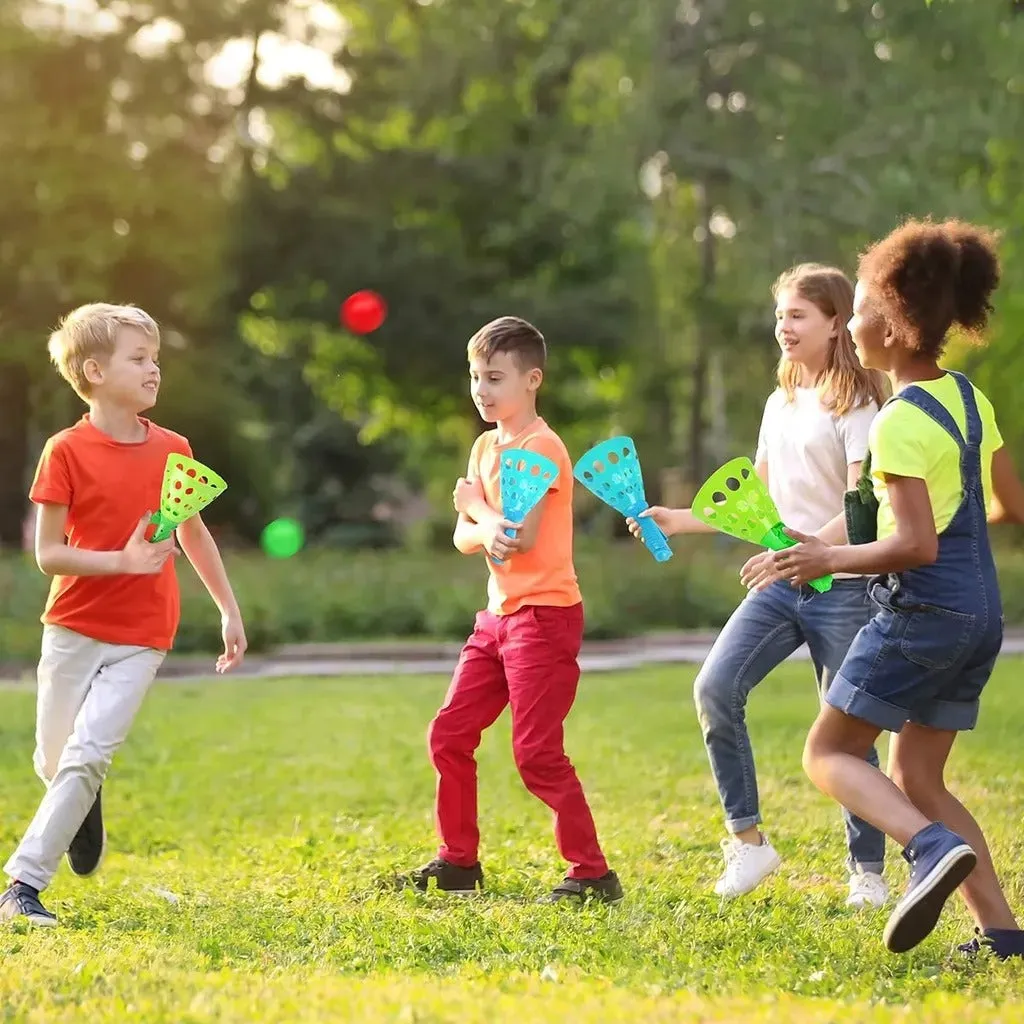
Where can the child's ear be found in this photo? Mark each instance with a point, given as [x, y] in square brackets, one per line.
[535, 379]
[92, 371]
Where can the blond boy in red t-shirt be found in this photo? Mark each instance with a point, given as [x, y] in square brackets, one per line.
[524, 647]
[113, 606]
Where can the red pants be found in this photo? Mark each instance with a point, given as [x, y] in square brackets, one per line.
[528, 661]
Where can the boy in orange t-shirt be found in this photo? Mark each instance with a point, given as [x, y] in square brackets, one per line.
[113, 606]
[524, 647]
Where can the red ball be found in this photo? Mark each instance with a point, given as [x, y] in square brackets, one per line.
[363, 311]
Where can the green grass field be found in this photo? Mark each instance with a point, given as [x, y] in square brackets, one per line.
[254, 827]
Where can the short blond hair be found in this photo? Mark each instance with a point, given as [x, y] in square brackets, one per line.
[90, 332]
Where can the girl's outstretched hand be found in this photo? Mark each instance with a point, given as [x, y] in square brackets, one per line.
[661, 515]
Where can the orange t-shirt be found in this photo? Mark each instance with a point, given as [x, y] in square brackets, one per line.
[108, 486]
[545, 574]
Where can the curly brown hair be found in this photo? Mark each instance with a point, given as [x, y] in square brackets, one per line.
[930, 277]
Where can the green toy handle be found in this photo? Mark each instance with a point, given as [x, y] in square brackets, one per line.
[164, 528]
[776, 540]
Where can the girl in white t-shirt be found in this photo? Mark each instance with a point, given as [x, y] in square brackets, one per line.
[814, 436]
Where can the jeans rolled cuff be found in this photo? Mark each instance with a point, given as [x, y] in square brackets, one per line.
[736, 825]
[874, 867]
[851, 700]
[950, 716]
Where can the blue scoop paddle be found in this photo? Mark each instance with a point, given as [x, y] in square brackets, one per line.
[525, 478]
[611, 470]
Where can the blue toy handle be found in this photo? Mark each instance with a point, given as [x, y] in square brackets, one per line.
[509, 532]
[654, 540]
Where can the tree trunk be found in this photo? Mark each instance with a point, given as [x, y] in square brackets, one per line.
[704, 330]
[14, 418]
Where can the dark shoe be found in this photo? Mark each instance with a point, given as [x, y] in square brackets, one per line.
[447, 878]
[606, 889]
[939, 861]
[90, 842]
[1003, 942]
[22, 901]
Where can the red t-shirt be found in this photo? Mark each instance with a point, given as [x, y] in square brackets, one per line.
[108, 486]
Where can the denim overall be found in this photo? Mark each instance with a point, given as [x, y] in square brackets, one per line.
[929, 651]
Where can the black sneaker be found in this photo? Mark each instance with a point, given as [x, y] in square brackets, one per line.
[606, 889]
[1003, 942]
[447, 878]
[87, 848]
[22, 901]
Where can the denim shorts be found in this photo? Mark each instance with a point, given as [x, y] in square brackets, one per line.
[925, 664]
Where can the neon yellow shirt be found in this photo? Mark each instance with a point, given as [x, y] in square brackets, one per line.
[905, 441]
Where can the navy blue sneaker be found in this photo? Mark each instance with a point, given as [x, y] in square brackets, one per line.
[21, 902]
[939, 861]
[1003, 942]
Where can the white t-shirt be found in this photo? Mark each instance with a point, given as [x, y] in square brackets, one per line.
[808, 451]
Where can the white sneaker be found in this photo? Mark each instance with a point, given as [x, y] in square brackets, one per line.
[867, 890]
[745, 866]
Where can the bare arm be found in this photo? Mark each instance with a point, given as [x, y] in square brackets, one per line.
[481, 526]
[479, 511]
[834, 531]
[201, 550]
[476, 520]
[1007, 491]
[682, 520]
[527, 534]
[468, 537]
[55, 557]
[914, 542]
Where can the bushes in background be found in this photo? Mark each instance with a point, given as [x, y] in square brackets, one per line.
[329, 596]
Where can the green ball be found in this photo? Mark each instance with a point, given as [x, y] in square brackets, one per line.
[282, 538]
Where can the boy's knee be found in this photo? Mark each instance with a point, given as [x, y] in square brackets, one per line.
[444, 738]
[540, 763]
[45, 764]
[85, 759]
[435, 737]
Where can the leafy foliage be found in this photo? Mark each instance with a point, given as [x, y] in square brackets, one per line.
[631, 178]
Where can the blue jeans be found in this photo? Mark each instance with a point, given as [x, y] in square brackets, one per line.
[763, 631]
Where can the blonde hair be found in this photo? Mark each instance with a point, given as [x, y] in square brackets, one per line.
[90, 332]
[843, 384]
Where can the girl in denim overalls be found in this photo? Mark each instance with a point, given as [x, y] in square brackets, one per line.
[918, 668]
